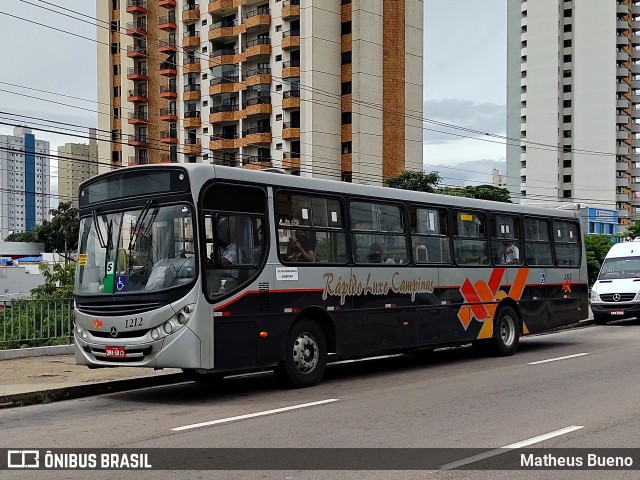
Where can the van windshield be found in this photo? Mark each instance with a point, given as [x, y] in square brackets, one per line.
[622, 267]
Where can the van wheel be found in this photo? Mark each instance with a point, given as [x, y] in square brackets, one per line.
[305, 355]
[506, 331]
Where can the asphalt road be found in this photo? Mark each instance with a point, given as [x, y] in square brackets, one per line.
[585, 397]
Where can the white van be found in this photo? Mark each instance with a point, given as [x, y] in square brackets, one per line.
[616, 293]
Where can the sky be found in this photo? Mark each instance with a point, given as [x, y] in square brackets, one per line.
[464, 79]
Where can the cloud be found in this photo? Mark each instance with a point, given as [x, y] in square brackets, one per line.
[462, 115]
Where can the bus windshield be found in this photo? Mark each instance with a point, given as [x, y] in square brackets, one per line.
[140, 250]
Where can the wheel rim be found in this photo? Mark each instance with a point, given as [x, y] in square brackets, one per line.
[507, 330]
[306, 353]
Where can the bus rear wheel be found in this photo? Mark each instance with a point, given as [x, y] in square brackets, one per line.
[305, 355]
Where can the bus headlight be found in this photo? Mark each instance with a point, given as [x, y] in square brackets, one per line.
[594, 296]
[182, 318]
[155, 334]
[168, 328]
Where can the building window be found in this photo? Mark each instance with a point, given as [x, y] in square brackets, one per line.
[278, 87]
[116, 91]
[279, 117]
[566, 163]
[566, 104]
[346, 118]
[566, 134]
[278, 58]
[568, 13]
[346, 147]
[346, 58]
[345, 28]
[115, 4]
[567, 43]
[114, 26]
[566, 178]
[115, 48]
[115, 156]
[115, 69]
[278, 28]
[567, 28]
[278, 146]
[346, 88]
[566, 118]
[566, 193]
[566, 88]
[566, 58]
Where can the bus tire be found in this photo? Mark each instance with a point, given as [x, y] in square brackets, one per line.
[506, 331]
[305, 355]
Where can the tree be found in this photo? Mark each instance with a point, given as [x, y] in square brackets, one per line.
[58, 282]
[633, 231]
[31, 236]
[482, 192]
[414, 180]
[64, 221]
[597, 247]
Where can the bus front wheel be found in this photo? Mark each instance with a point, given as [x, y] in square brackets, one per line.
[305, 355]
[506, 330]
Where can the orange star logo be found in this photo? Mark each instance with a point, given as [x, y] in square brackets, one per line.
[566, 286]
[97, 323]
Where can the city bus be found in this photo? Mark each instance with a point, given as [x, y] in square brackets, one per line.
[219, 270]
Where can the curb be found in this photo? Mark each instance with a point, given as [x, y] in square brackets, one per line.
[36, 352]
[79, 391]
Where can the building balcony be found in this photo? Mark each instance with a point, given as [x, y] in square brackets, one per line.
[168, 158]
[622, 135]
[225, 56]
[257, 47]
[257, 105]
[191, 92]
[622, 150]
[225, 113]
[622, 103]
[256, 162]
[138, 118]
[622, 197]
[167, 3]
[622, 9]
[622, 119]
[290, 39]
[138, 140]
[192, 146]
[635, 127]
[138, 160]
[169, 136]
[168, 69]
[138, 95]
[224, 29]
[622, 166]
[138, 28]
[217, 6]
[192, 119]
[191, 13]
[291, 160]
[623, 181]
[257, 76]
[635, 40]
[291, 99]
[191, 39]
[167, 45]
[290, 8]
[256, 135]
[168, 115]
[137, 51]
[139, 73]
[622, 88]
[168, 91]
[256, 18]
[226, 84]
[168, 23]
[136, 6]
[191, 65]
[224, 141]
[290, 131]
[291, 69]
[622, 56]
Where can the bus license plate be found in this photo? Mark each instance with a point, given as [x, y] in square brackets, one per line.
[617, 312]
[115, 352]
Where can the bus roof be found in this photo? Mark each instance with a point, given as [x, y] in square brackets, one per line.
[199, 174]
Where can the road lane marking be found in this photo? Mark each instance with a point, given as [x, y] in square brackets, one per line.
[558, 358]
[512, 446]
[253, 415]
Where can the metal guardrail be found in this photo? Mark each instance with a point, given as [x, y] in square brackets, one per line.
[34, 323]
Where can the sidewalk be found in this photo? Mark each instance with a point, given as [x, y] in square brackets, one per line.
[43, 379]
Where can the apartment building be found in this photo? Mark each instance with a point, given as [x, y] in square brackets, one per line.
[323, 88]
[573, 92]
[77, 162]
[24, 182]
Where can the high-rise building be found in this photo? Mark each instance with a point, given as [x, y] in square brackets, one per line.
[77, 162]
[571, 100]
[24, 182]
[327, 88]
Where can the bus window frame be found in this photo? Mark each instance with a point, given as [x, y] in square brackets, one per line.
[311, 194]
[454, 210]
[519, 241]
[553, 239]
[549, 219]
[448, 219]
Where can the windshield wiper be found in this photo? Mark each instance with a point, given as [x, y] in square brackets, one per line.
[137, 227]
[103, 244]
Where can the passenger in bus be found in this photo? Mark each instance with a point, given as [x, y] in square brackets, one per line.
[227, 248]
[375, 254]
[302, 246]
[511, 254]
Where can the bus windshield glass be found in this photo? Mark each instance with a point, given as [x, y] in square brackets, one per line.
[140, 250]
